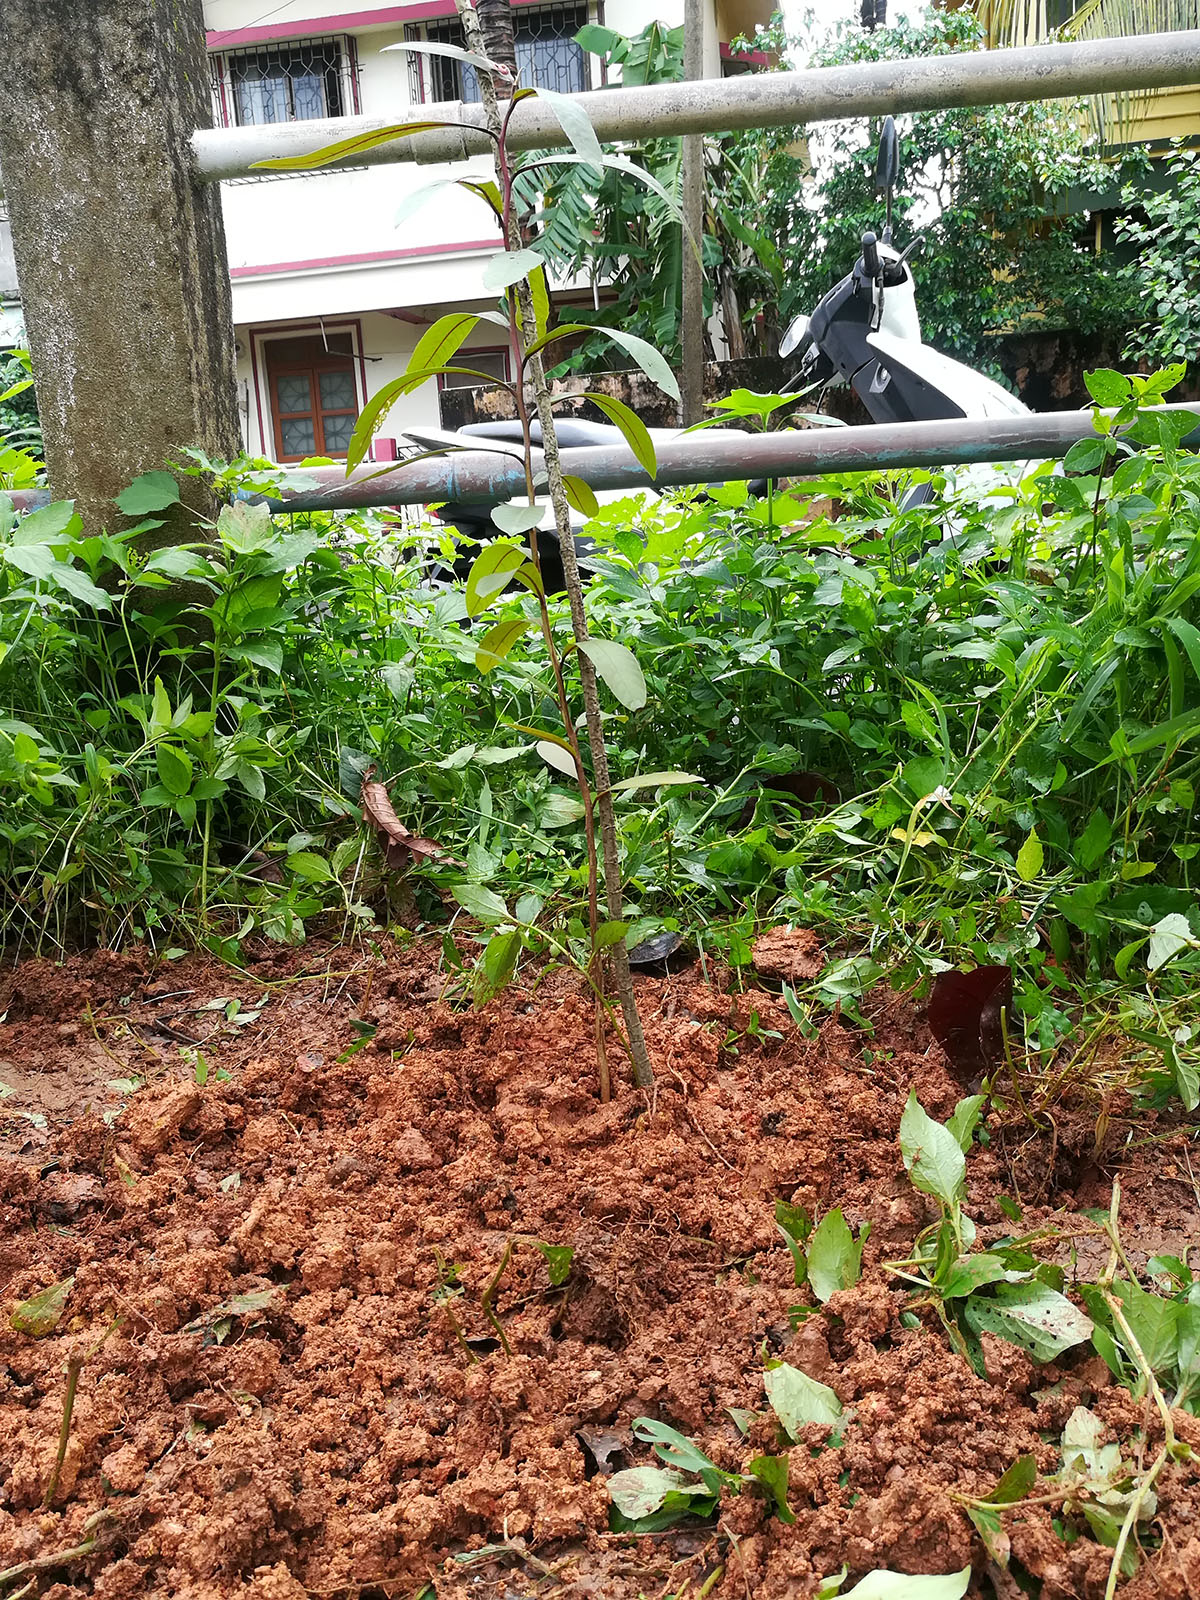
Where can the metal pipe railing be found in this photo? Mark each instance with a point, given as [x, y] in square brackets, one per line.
[474, 477]
[752, 100]
[484, 477]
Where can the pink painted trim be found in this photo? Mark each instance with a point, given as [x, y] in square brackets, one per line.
[365, 258]
[338, 22]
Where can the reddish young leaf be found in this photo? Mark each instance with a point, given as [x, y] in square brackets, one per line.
[398, 844]
[964, 1015]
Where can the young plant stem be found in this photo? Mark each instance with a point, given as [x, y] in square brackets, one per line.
[74, 1368]
[487, 1298]
[1131, 1516]
[533, 369]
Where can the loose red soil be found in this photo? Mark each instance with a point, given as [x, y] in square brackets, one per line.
[343, 1441]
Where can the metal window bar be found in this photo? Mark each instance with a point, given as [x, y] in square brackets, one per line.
[547, 54]
[300, 80]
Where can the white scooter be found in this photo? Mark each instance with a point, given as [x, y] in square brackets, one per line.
[866, 332]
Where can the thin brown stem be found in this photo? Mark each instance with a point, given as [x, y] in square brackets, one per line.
[74, 1368]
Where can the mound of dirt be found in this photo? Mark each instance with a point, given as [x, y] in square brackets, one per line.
[304, 1372]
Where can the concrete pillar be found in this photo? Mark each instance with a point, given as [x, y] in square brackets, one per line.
[120, 254]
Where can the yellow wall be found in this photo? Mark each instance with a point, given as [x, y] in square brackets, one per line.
[738, 17]
[1167, 114]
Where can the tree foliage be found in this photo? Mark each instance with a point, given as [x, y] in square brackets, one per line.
[1167, 267]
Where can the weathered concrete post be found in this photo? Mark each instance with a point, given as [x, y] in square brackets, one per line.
[120, 255]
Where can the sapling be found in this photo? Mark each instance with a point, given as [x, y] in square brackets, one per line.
[519, 274]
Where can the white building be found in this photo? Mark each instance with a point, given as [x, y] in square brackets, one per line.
[329, 296]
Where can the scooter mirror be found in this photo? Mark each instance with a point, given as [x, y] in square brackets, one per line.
[793, 337]
[887, 170]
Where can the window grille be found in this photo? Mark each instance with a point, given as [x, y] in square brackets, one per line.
[547, 54]
[297, 81]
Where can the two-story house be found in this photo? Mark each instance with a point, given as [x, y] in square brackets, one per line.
[329, 295]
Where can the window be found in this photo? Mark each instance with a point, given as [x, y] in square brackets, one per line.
[294, 82]
[547, 55]
[314, 395]
[494, 362]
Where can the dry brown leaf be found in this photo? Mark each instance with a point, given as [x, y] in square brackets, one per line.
[399, 846]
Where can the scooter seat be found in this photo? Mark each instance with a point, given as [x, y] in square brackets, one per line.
[572, 433]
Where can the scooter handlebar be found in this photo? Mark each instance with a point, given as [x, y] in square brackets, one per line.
[870, 256]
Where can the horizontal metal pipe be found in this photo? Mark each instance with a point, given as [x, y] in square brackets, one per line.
[750, 100]
[484, 478]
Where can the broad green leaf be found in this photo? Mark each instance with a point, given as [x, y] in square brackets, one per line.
[559, 810]
[244, 528]
[932, 1154]
[490, 572]
[1016, 1483]
[1036, 1318]
[633, 429]
[35, 559]
[1108, 388]
[673, 1447]
[650, 360]
[798, 1400]
[576, 124]
[429, 47]
[1169, 935]
[42, 1312]
[509, 267]
[617, 667]
[498, 641]
[581, 496]
[557, 757]
[653, 780]
[517, 518]
[1154, 1322]
[1093, 841]
[903, 1586]
[772, 1473]
[354, 146]
[638, 1491]
[48, 525]
[1030, 858]
[308, 866]
[970, 1273]
[834, 1258]
[965, 1119]
[439, 342]
[153, 491]
[609, 933]
[482, 903]
[78, 585]
[174, 768]
[496, 966]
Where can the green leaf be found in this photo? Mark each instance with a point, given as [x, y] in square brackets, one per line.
[482, 903]
[490, 572]
[633, 429]
[259, 653]
[580, 495]
[965, 1119]
[439, 342]
[558, 1258]
[344, 148]
[970, 1273]
[834, 1259]
[1030, 857]
[1016, 1483]
[1169, 935]
[559, 810]
[798, 1400]
[1036, 1318]
[42, 1312]
[557, 757]
[308, 866]
[245, 528]
[932, 1154]
[772, 1473]
[638, 1491]
[174, 768]
[617, 666]
[498, 641]
[1154, 1323]
[1108, 388]
[514, 518]
[650, 360]
[1093, 841]
[609, 933]
[903, 1586]
[653, 780]
[496, 965]
[576, 124]
[78, 585]
[153, 491]
[509, 267]
[48, 525]
[672, 1447]
[436, 48]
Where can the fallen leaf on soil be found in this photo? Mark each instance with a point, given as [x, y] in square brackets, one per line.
[796, 1399]
[238, 1305]
[601, 1445]
[42, 1313]
[964, 1015]
[398, 844]
[792, 954]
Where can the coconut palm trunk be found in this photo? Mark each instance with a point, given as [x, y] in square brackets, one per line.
[496, 21]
